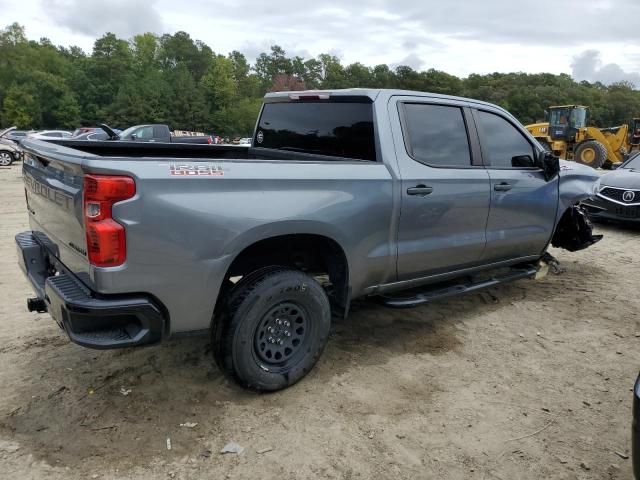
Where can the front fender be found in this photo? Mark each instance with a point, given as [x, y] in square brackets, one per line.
[577, 183]
[573, 230]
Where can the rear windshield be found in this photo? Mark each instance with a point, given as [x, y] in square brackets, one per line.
[329, 128]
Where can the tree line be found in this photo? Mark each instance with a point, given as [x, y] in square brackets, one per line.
[183, 82]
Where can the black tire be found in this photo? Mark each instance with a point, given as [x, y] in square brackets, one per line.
[272, 329]
[6, 158]
[591, 153]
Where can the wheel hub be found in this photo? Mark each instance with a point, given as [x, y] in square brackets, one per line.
[588, 155]
[280, 333]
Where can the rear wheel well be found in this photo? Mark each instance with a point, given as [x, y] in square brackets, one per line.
[316, 255]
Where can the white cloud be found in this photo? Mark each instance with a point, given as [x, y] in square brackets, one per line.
[125, 18]
[457, 36]
[588, 66]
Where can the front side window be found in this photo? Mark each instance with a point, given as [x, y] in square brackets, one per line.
[322, 128]
[503, 143]
[437, 135]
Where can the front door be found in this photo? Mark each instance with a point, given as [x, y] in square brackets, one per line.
[444, 189]
[523, 204]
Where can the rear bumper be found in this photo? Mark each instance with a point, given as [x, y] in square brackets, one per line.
[89, 319]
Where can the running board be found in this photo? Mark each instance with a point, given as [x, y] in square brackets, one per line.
[437, 293]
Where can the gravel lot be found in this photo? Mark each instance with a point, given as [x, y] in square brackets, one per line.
[527, 381]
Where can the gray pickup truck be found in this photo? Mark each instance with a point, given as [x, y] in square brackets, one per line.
[401, 195]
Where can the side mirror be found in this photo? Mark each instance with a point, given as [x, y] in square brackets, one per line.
[133, 136]
[523, 161]
[546, 115]
[549, 164]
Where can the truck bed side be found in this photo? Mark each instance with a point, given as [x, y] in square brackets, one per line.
[190, 219]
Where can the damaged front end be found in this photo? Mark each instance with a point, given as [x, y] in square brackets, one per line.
[573, 228]
[574, 231]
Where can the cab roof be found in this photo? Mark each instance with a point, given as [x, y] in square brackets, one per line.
[371, 93]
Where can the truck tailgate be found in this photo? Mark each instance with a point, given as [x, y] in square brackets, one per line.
[53, 188]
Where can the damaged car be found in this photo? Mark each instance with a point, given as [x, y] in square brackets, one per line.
[618, 197]
[404, 196]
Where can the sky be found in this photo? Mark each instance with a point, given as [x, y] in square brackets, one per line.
[593, 40]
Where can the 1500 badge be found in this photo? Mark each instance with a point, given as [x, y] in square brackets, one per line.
[195, 170]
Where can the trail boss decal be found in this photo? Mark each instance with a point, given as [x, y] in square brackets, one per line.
[195, 170]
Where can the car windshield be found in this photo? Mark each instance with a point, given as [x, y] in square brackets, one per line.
[559, 116]
[634, 163]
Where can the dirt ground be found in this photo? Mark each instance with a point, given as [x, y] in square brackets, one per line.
[530, 380]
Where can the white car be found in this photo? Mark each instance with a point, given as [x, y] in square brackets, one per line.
[245, 141]
[49, 134]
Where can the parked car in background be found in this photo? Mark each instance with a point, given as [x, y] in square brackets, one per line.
[82, 130]
[245, 141]
[92, 135]
[10, 151]
[160, 133]
[17, 135]
[48, 134]
[619, 195]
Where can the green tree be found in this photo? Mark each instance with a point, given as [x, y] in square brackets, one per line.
[20, 108]
[186, 105]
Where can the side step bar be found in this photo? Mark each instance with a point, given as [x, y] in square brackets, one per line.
[426, 296]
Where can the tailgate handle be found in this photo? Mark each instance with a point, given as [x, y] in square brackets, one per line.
[421, 190]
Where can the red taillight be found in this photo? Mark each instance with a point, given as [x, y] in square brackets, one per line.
[106, 242]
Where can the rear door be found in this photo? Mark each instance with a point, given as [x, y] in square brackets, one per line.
[444, 187]
[523, 204]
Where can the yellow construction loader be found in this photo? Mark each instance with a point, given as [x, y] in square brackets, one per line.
[567, 135]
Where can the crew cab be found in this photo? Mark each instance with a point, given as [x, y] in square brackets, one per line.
[342, 194]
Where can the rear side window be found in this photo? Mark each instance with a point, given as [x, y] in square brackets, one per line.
[436, 135]
[329, 128]
[502, 142]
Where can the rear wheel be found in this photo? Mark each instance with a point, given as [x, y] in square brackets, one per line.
[591, 153]
[272, 329]
[6, 158]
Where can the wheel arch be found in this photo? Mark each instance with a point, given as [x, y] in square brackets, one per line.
[315, 253]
